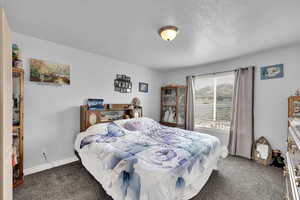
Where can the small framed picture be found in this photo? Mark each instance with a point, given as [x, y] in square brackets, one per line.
[128, 90]
[143, 87]
[271, 72]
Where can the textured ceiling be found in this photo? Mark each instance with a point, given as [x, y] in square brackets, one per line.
[210, 30]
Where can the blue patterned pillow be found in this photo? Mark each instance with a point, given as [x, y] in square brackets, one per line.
[113, 130]
[133, 126]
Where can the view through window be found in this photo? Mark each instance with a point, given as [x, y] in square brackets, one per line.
[213, 101]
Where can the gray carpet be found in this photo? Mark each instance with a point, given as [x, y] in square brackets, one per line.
[237, 179]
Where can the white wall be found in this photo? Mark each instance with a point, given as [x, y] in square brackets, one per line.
[52, 112]
[270, 95]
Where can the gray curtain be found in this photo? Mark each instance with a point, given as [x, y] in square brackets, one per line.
[190, 103]
[241, 130]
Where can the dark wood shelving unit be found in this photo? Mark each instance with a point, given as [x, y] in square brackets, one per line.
[18, 126]
[173, 106]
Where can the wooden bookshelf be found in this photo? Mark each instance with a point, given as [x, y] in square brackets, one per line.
[18, 126]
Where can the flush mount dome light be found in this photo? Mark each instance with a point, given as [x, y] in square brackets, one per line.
[168, 33]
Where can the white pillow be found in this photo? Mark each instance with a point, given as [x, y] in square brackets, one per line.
[98, 128]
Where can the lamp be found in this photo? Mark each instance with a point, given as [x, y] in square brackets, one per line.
[168, 33]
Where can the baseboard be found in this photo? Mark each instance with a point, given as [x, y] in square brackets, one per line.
[50, 165]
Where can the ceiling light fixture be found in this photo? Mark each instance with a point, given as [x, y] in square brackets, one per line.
[168, 33]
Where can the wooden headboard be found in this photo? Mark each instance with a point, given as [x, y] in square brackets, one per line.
[110, 113]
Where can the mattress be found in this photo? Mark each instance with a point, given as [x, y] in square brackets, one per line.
[139, 159]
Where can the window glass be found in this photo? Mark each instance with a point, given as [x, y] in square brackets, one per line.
[213, 101]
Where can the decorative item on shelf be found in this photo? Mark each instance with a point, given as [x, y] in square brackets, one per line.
[136, 102]
[270, 72]
[95, 104]
[297, 170]
[93, 119]
[16, 111]
[169, 115]
[131, 107]
[135, 113]
[16, 57]
[297, 92]
[277, 159]
[294, 106]
[48, 72]
[123, 84]
[143, 87]
[135, 107]
[126, 116]
[262, 151]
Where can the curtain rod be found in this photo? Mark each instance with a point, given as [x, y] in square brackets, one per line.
[214, 73]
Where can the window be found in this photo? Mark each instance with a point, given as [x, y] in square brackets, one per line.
[213, 101]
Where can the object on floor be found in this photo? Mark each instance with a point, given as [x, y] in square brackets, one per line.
[262, 151]
[277, 159]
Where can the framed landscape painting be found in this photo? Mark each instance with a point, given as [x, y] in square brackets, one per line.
[270, 72]
[49, 72]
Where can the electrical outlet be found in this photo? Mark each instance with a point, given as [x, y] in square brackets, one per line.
[44, 154]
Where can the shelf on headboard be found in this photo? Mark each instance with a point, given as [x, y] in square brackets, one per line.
[91, 117]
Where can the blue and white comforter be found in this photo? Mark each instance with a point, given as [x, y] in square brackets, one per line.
[139, 159]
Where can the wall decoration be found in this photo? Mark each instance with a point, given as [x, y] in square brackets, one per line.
[123, 84]
[270, 72]
[95, 104]
[143, 87]
[49, 72]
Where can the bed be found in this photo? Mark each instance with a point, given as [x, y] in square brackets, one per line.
[140, 159]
